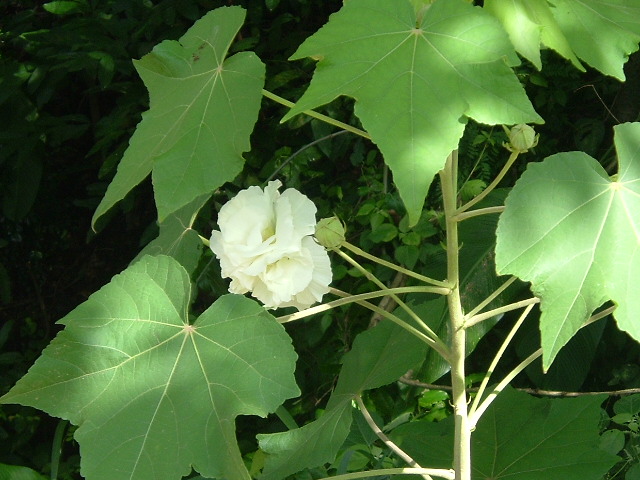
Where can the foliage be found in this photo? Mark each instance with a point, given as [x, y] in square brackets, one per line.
[157, 369]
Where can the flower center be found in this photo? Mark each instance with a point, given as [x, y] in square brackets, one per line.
[268, 232]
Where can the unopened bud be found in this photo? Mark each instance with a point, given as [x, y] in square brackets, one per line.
[330, 232]
[522, 137]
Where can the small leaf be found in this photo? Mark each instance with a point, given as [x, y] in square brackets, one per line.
[65, 7]
[629, 404]
[415, 77]
[574, 233]
[202, 110]
[177, 238]
[152, 394]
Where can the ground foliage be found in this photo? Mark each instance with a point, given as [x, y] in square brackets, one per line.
[70, 101]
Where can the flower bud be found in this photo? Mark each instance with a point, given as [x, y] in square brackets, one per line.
[522, 137]
[330, 232]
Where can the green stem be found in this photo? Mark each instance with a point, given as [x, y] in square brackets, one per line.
[462, 440]
[317, 115]
[501, 386]
[398, 268]
[286, 418]
[496, 359]
[436, 472]
[470, 322]
[370, 276]
[205, 241]
[491, 297]
[521, 366]
[481, 211]
[490, 187]
[386, 440]
[438, 346]
[56, 448]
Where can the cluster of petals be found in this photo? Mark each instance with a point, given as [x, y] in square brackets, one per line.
[265, 246]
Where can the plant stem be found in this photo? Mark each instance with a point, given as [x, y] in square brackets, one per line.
[520, 367]
[317, 115]
[501, 386]
[491, 297]
[393, 266]
[490, 187]
[496, 359]
[387, 441]
[370, 276]
[438, 345]
[478, 212]
[497, 311]
[436, 472]
[462, 441]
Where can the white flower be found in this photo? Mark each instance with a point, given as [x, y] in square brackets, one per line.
[265, 247]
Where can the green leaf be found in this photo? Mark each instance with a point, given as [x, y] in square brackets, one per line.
[561, 441]
[15, 472]
[378, 356]
[530, 24]
[152, 394]
[574, 233]
[65, 7]
[177, 238]
[630, 404]
[415, 78]
[601, 32]
[202, 111]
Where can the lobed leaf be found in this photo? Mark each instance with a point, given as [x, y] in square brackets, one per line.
[561, 441]
[152, 394]
[531, 26]
[202, 111]
[601, 32]
[378, 356]
[574, 233]
[415, 76]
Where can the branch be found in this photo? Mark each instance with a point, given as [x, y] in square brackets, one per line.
[531, 391]
[317, 115]
[387, 441]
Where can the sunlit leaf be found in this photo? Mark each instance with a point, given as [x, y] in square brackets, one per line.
[415, 77]
[202, 110]
[561, 440]
[531, 26]
[152, 394]
[601, 32]
[574, 233]
[379, 356]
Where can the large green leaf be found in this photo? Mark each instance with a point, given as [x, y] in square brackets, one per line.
[574, 233]
[602, 33]
[379, 356]
[415, 77]
[152, 394]
[202, 111]
[520, 438]
[530, 25]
